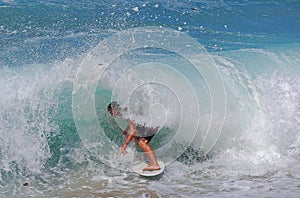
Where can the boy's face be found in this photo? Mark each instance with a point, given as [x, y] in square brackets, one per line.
[115, 112]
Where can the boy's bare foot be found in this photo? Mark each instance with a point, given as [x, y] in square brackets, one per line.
[151, 168]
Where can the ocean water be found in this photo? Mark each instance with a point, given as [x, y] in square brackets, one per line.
[219, 78]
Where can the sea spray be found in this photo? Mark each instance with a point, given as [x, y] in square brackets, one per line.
[30, 101]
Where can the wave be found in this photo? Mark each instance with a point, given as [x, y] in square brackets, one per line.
[255, 132]
[32, 107]
[38, 131]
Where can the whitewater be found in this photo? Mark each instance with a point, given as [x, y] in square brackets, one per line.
[219, 78]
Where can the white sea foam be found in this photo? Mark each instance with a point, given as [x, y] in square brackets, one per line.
[28, 95]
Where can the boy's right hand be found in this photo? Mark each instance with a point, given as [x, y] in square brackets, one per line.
[123, 149]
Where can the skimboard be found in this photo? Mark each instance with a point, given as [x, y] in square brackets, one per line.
[138, 168]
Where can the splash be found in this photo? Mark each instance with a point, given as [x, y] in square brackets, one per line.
[30, 99]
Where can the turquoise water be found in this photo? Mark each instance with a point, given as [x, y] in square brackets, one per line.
[233, 103]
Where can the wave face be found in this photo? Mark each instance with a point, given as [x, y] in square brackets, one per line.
[246, 141]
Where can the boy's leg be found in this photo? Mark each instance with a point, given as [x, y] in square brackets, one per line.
[143, 143]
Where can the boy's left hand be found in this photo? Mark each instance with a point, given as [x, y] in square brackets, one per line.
[124, 134]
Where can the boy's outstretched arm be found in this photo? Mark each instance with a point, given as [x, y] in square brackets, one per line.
[132, 127]
[125, 132]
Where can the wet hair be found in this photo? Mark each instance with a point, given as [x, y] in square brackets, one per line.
[112, 105]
